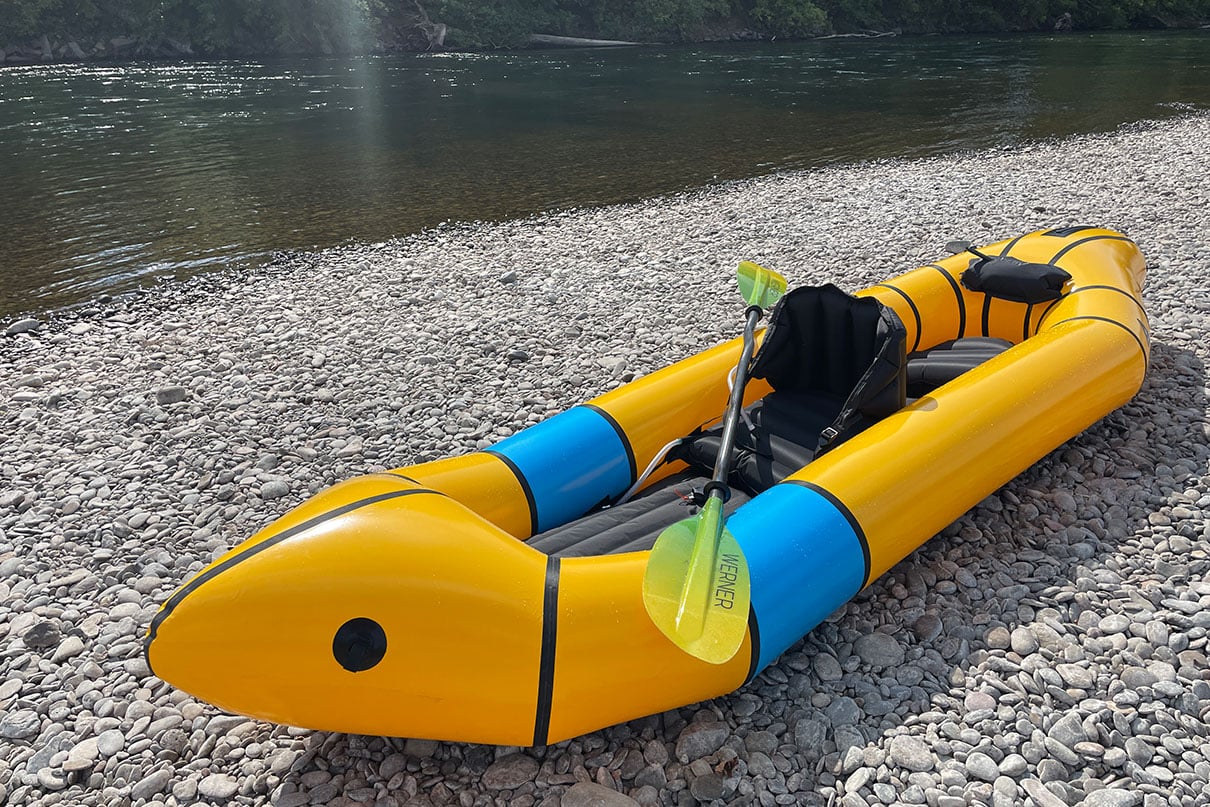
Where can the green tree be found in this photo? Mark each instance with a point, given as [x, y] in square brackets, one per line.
[790, 18]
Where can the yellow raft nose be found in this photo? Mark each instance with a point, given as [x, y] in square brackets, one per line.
[373, 594]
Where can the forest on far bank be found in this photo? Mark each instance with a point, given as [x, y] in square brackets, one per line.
[33, 30]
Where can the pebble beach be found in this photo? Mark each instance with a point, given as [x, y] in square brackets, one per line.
[1049, 648]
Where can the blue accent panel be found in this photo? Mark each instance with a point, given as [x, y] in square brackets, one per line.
[805, 561]
[571, 461]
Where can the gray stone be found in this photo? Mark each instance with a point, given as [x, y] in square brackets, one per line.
[763, 741]
[110, 742]
[1023, 642]
[82, 755]
[911, 753]
[170, 395]
[927, 627]
[218, 786]
[510, 771]
[20, 725]
[72, 646]
[857, 780]
[997, 638]
[981, 766]
[185, 790]
[879, 650]
[809, 735]
[50, 779]
[652, 775]
[1075, 675]
[1013, 765]
[827, 667]
[1041, 794]
[42, 636]
[1140, 751]
[27, 325]
[1061, 752]
[421, 748]
[274, 489]
[1068, 730]
[979, 701]
[699, 739]
[1112, 797]
[1114, 623]
[1137, 677]
[590, 794]
[151, 784]
[1051, 770]
[843, 711]
[708, 788]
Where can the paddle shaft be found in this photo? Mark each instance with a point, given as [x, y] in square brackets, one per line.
[722, 466]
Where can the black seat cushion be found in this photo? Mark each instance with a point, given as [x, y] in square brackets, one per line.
[633, 526]
[777, 435]
[929, 369]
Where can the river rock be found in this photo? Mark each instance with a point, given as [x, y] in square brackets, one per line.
[911, 753]
[927, 627]
[27, 325]
[1042, 795]
[165, 396]
[707, 788]
[590, 794]
[1114, 623]
[510, 771]
[1068, 730]
[699, 739]
[1023, 642]
[843, 711]
[274, 489]
[71, 647]
[110, 742]
[1137, 677]
[82, 755]
[20, 725]
[218, 786]
[827, 667]
[981, 766]
[42, 636]
[151, 784]
[1112, 797]
[879, 650]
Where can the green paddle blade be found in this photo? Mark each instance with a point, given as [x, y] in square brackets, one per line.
[696, 589]
[758, 285]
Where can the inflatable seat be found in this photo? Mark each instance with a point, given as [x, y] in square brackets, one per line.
[836, 364]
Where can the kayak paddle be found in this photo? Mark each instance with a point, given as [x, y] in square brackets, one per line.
[696, 588]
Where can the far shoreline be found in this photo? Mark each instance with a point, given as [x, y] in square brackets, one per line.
[129, 50]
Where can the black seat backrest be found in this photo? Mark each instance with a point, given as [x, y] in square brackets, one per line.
[823, 341]
[836, 365]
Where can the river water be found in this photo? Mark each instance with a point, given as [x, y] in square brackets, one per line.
[116, 176]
